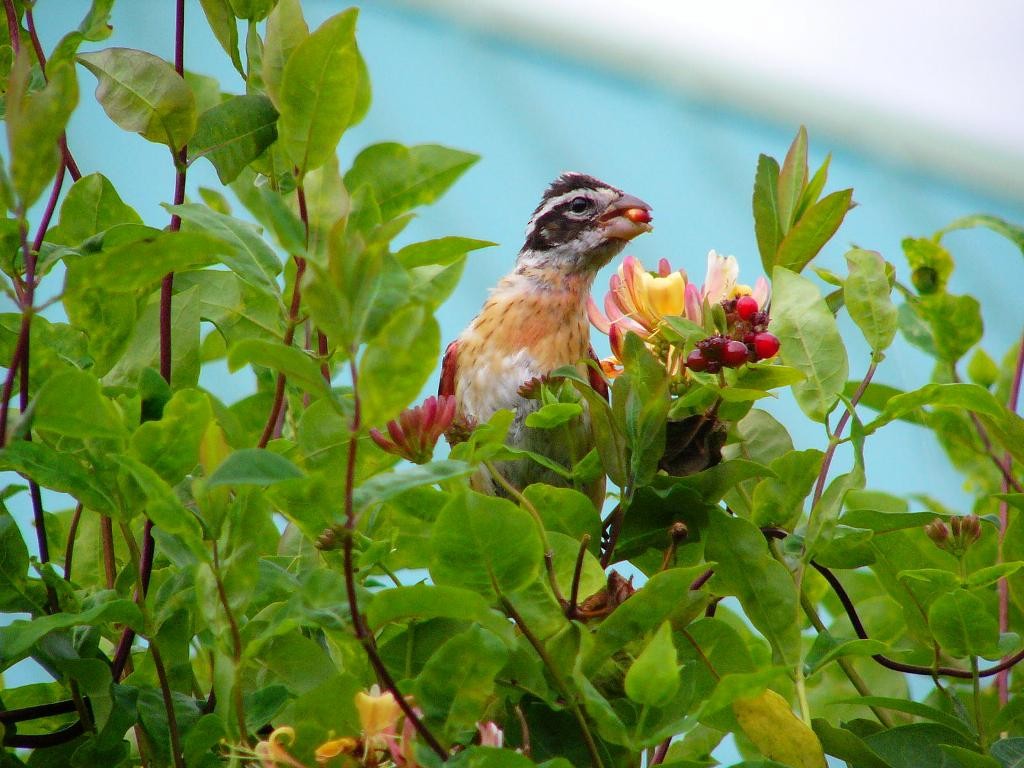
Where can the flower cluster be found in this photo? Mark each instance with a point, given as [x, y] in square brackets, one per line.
[416, 431]
[957, 537]
[639, 301]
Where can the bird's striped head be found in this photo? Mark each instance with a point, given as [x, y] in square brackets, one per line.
[581, 224]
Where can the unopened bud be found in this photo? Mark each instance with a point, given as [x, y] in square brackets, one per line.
[966, 530]
[938, 532]
[678, 532]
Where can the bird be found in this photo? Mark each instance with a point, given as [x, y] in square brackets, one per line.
[535, 321]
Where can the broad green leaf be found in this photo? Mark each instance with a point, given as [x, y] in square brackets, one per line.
[955, 323]
[813, 189]
[403, 178]
[170, 446]
[982, 369]
[658, 601]
[34, 122]
[764, 377]
[423, 601]
[792, 180]
[810, 342]
[253, 10]
[846, 745]
[396, 364]
[221, 19]
[253, 466]
[286, 29]
[763, 585]
[653, 678]
[295, 363]
[770, 724]
[59, 472]
[969, 757]
[867, 299]
[233, 134]
[1009, 752]
[71, 404]
[766, 211]
[553, 415]
[91, 206]
[815, 228]
[485, 544]
[640, 402]
[143, 94]
[916, 708]
[969, 397]
[386, 486]
[320, 85]
[14, 588]
[17, 638]
[269, 208]
[930, 264]
[327, 203]
[444, 251]
[458, 680]
[489, 757]
[249, 255]
[993, 573]
[918, 744]
[163, 506]
[963, 626]
[779, 500]
[611, 442]
[567, 511]
[823, 516]
[827, 649]
[1012, 232]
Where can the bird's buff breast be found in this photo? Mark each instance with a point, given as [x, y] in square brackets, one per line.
[515, 339]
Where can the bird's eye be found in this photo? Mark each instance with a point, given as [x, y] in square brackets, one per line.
[579, 205]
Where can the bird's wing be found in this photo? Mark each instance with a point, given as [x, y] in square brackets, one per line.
[597, 381]
[448, 368]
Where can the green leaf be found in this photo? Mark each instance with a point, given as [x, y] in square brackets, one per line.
[170, 446]
[320, 86]
[1009, 752]
[17, 638]
[91, 206]
[955, 323]
[403, 178]
[295, 363]
[70, 403]
[640, 402]
[969, 397]
[763, 585]
[253, 466]
[222, 22]
[162, 505]
[653, 679]
[14, 590]
[387, 485]
[425, 601]
[930, 264]
[765, 376]
[286, 29]
[766, 212]
[59, 472]
[815, 228]
[554, 415]
[249, 255]
[779, 500]
[234, 133]
[813, 189]
[458, 680]
[34, 122]
[846, 745]
[444, 251]
[485, 544]
[397, 363]
[963, 626]
[143, 94]
[567, 511]
[827, 649]
[823, 516]
[792, 180]
[868, 301]
[919, 744]
[1011, 232]
[993, 573]
[915, 708]
[810, 342]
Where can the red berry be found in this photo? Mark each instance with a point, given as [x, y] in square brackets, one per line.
[734, 354]
[746, 306]
[696, 361]
[765, 345]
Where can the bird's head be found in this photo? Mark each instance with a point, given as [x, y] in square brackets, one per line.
[581, 224]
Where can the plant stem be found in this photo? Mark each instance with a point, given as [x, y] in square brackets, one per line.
[574, 592]
[549, 554]
[165, 692]
[363, 633]
[833, 443]
[236, 646]
[69, 548]
[556, 675]
[1003, 678]
[979, 724]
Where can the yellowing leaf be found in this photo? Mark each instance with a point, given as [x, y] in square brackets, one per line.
[780, 735]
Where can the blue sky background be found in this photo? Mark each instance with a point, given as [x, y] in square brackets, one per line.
[532, 113]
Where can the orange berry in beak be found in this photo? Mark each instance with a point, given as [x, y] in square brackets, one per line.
[638, 215]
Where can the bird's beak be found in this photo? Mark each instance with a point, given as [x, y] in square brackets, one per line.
[626, 218]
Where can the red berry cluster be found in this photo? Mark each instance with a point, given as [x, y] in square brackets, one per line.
[747, 342]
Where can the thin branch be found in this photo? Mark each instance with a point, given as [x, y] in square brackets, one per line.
[574, 592]
[556, 675]
[613, 526]
[1003, 678]
[236, 644]
[363, 633]
[165, 692]
[69, 548]
[833, 443]
[107, 537]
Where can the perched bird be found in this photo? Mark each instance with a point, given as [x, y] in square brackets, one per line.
[536, 321]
